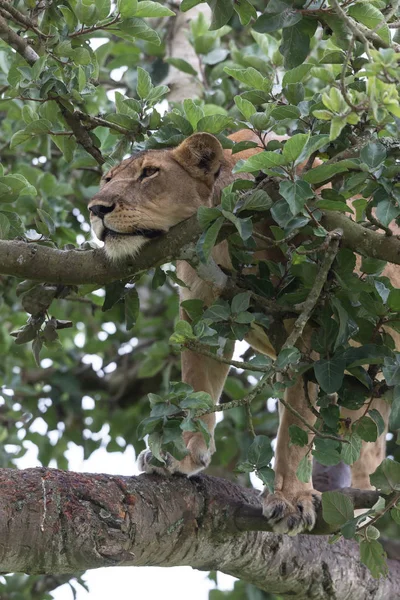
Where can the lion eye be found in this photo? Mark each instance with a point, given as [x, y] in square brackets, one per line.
[107, 179]
[148, 172]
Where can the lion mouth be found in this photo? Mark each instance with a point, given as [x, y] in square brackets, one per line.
[147, 233]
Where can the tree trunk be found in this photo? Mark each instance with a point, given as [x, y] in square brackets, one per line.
[61, 522]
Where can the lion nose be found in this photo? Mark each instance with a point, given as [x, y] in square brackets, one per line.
[100, 210]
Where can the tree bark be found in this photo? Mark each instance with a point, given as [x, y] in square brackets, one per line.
[72, 267]
[62, 522]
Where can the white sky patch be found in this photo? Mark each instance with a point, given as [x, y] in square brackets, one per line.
[125, 349]
[94, 360]
[109, 327]
[111, 93]
[118, 73]
[45, 363]
[110, 367]
[88, 403]
[79, 340]
[39, 425]
[97, 42]
[102, 335]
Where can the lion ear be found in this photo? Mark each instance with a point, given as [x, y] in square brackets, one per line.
[200, 155]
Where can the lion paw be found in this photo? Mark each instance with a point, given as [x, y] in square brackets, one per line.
[293, 516]
[198, 459]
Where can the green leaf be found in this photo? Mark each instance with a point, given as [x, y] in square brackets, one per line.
[373, 154]
[144, 84]
[295, 45]
[114, 293]
[193, 112]
[378, 420]
[367, 14]
[188, 4]
[257, 201]
[240, 302]
[285, 112]
[287, 356]
[219, 311]
[298, 436]
[391, 370]
[326, 451]
[150, 9]
[214, 123]
[132, 307]
[325, 172]
[296, 193]
[351, 451]
[387, 476]
[294, 146]
[336, 508]
[260, 162]
[269, 22]
[260, 452]
[47, 220]
[366, 428]
[373, 556]
[386, 211]
[183, 331]
[246, 108]
[4, 226]
[304, 470]
[244, 226]
[245, 10]
[329, 373]
[208, 239]
[222, 11]
[127, 8]
[250, 77]
[182, 65]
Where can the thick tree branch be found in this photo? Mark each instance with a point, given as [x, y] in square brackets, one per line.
[60, 522]
[72, 267]
[18, 43]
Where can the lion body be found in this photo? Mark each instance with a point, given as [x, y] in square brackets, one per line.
[145, 196]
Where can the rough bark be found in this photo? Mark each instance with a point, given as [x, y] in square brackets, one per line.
[61, 522]
[72, 267]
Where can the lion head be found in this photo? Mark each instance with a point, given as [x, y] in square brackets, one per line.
[147, 194]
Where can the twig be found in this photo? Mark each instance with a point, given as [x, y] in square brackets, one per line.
[239, 402]
[199, 348]
[351, 24]
[18, 43]
[81, 134]
[372, 219]
[326, 436]
[98, 121]
[20, 18]
[84, 31]
[308, 305]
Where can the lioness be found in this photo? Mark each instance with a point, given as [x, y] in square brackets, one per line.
[144, 197]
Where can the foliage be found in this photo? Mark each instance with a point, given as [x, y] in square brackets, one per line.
[326, 78]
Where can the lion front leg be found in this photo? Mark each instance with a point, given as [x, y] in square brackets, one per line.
[204, 375]
[292, 508]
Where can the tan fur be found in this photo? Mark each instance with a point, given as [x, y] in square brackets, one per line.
[178, 181]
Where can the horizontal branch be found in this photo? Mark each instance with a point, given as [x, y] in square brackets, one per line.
[74, 267]
[62, 522]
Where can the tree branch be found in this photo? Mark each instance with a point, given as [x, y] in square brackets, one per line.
[18, 43]
[94, 521]
[73, 267]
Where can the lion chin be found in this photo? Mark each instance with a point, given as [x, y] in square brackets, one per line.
[120, 247]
